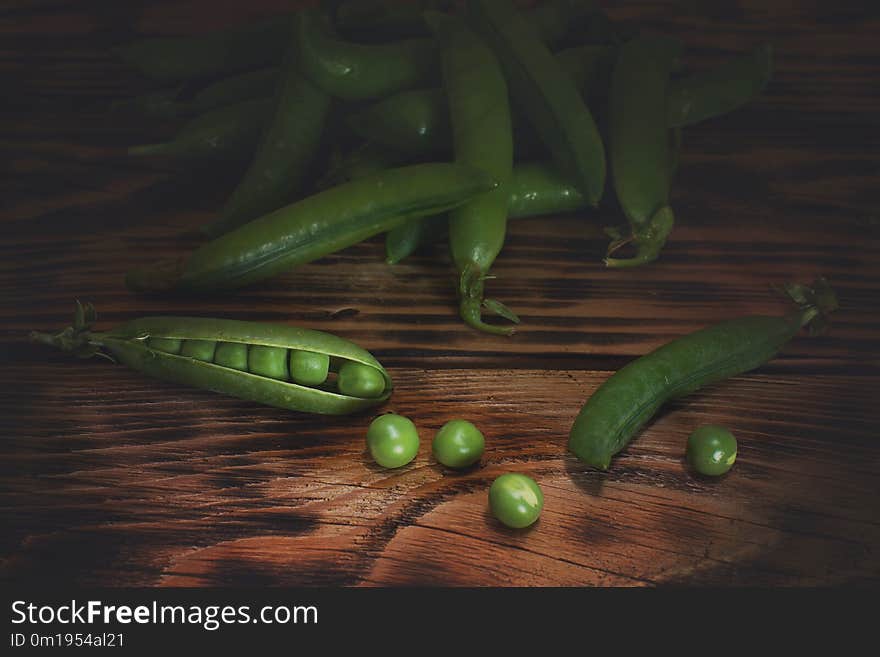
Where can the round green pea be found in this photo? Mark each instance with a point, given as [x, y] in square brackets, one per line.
[357, 380]
[458, 444]
[167, 345]
[711, 450]
[270, 362]
[309, 368]
[393, 440]
[516, 500]
[199, 349]
[233, 355]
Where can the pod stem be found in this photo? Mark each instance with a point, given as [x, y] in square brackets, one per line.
[815, 303]
[472, 303]
[77, 339]
[648, 239]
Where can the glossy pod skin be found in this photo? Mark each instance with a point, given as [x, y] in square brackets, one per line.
[174, 59]
[158, 347]
[286, 151]
[226, 134]
[548, 96]
[355, 71]
[482, 137]
[631, 396]
[639, 144]
[314, 227]
[534, 189]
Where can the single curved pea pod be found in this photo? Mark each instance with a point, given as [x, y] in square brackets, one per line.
[229, 133]
[702, 96]
[222, 52]
[631, 396]
[356, 71]
[265, 348]
[639, 144]
[482, 137]
[316, 226]
[285, 153]
[549, 97]
[534, 189]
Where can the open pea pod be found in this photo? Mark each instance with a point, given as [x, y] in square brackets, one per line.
[265, 363]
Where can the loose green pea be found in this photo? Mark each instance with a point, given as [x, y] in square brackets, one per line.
[357, 380]
[168, 345]
[309, 368]
[458, 444]
[199, 349]
[233, 355]
[268, 361]
[393, 440]
[711, 450]
[516, 500]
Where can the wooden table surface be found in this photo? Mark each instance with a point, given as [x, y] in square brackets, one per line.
[110, 478]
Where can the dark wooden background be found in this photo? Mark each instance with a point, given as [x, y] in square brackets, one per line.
[110, 478]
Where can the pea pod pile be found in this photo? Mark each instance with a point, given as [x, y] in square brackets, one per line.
[378, 117]
[276, 365]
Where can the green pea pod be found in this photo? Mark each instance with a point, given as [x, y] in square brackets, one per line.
[414, 122]
[482, 137]
[226, 134]
[316, 226]
[639, 143]
[630, 397]
[161, 347]
[356, 71]
[284, 156]
[548, 96]
[534, 189]
[171, 59]
[230, 90]
[703, 96]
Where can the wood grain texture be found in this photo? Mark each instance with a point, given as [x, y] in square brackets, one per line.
[109, 478]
